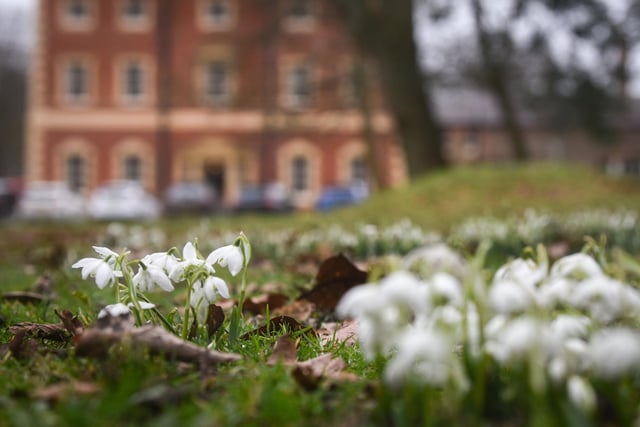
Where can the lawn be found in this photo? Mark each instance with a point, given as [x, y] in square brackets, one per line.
[288, 357]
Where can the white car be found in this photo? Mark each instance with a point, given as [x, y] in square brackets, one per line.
[50, 200]
[123, 200]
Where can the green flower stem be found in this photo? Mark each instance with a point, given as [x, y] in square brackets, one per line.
[137, 310]
[187, 307]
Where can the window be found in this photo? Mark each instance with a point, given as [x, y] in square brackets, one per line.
[300, 173]
[299, 15]
[215, 14]
[75, 173]
[134, 15]
[351, 80]
[218, 11]
[76, 83]
[133, 81]
[359, 169]
[77, 10]
[132, 168]
[134, 9]
[216, 85]
[300, 9]
[76, 15]
[299, 87]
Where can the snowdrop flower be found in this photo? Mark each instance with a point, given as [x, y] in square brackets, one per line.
[424, 355]
[434, 258]
[384, 310]
[203, 294]
[114, 310]
[577, 266]
[567, 326]
[612, 353]
[508, 296]
[360, 301]
[189, 258]
[526, 272]
[444, 287]
[143, 305]
[164, 260]
[104, 269]
[556, 292]
[150, 275]
[581, 393]
[228, 256]
[513, 339]
[603, 297]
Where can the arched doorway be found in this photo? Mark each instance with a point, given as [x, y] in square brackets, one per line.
[214, 175]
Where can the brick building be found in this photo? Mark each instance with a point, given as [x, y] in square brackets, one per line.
[232, 92]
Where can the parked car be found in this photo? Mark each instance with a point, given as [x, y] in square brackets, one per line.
[336, 196]
[50, 199]
[9, 194]
[123, 200]
[271, 197]
[190, 197]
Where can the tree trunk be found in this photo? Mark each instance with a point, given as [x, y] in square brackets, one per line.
[361, 83]
[496, 80]
[383, 30]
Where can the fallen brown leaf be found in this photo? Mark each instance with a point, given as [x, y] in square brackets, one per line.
[258, 304]
[336, 275]
[299, 309]
[311, 372]
[344, 332]
[56, 392]
[285, 351]
[215, 319]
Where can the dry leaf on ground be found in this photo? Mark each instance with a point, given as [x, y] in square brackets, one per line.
[329, 367]
[339, 332]
[56, 392]
[336, 275]
[285, 351]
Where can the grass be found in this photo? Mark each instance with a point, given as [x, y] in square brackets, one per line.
[150, 390]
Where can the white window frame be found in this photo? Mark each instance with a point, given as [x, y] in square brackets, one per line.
[300, 179]
[66, 81]
[123, 97]
[300, 23]
[208, 22]
[224, 97]
[69, 22]
[296, 98]
[76, 179]
[126, 167]
[142, 22]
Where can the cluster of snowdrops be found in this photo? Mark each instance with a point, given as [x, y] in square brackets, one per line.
[438, 318]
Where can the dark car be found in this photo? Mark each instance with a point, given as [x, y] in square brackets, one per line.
[9, 194]
[272, 197]
[337, 196]
[190, 197]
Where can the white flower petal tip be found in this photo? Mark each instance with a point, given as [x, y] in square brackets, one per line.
[229, 256]
[114, 310]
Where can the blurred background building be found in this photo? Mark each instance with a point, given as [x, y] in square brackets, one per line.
[231, 92]
[235, 93]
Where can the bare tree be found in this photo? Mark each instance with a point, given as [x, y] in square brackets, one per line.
[13, 64]
[495, 49]
[384, 31]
